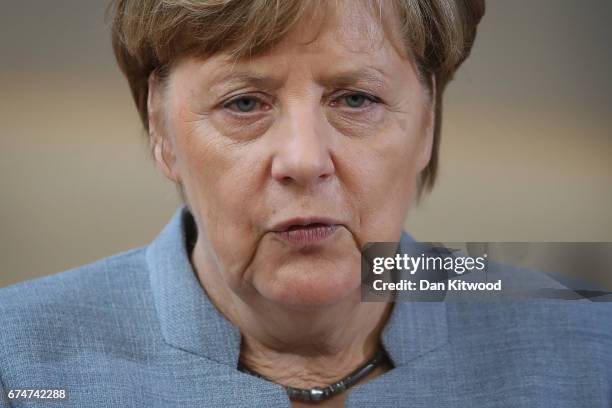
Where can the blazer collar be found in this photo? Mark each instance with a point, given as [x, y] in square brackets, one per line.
[414, 328]
[189, 321]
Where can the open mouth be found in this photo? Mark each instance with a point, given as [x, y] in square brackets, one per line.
[308, 234]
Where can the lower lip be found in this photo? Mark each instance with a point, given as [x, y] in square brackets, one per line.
[307, 235]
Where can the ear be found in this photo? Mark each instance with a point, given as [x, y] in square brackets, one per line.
[426, 144]
[161, 147]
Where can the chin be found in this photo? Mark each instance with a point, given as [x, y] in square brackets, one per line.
[311, 283]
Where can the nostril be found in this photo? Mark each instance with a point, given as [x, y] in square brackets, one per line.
[287, 180]
[302, 169]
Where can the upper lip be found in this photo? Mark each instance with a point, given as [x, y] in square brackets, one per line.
[303, 221]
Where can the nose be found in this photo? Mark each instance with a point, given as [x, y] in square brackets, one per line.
[303, 156]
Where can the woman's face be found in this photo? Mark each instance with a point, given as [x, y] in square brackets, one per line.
[294, 159]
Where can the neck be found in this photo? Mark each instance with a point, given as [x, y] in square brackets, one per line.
[297, 347]
[316, 348]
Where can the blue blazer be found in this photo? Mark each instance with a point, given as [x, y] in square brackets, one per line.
[137, 330]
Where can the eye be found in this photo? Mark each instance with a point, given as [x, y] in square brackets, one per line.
[243, 104]
[355, 100]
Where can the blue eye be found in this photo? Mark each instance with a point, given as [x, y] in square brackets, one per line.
[244, 104]
[355, 100]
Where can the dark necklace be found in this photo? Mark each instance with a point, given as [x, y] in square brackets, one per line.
[316, 394]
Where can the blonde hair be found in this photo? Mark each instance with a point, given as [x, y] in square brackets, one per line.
[149, 35]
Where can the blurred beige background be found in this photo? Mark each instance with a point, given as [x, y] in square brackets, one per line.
[526, 149]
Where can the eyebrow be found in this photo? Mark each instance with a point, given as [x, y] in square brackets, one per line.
[239, 79]
[368, 75]
[353, 77]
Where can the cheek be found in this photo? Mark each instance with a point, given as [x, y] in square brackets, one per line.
[221, 181]
[384, 170]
